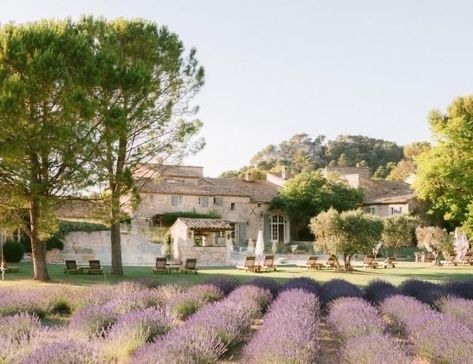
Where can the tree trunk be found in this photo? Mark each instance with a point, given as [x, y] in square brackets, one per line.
[117, 268]
[38, 247]
[347, 261]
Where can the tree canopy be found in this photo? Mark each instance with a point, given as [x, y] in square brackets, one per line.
[445, 172]
[398, 231]
[435, 240]
[348, 233]
[309, 193]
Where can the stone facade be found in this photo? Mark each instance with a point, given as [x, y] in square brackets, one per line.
[136, 249]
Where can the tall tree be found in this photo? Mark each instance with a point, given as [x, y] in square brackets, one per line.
[143, 98]
[46, 71]
[445, 172]
[398, 231]
[309, 193]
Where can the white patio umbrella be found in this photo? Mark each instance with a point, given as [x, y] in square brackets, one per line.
[259, 248]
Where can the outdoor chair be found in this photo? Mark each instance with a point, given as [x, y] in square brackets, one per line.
[71, 267]
[467, 259]
[190, 266]
[249, 265]
[268, 263]
[160, 266]
[331, 262]
[311, 263]
[369, 261]
[389, 262]
[451, 260]
[94, 267]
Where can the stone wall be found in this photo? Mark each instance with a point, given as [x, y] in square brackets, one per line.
[136, 250]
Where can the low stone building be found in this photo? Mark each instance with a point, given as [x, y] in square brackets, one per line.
[243, 203]
[381, 197]
[207, 240]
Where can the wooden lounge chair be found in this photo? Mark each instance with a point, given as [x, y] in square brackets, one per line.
[71, 267]
[94, 267]
[311, 263]
[249, 265]
[369, 261]
[467, 259]
[331, 262]
[268, 263]
[160, 266]
[389, 262]
[190, 266]
[451, 260]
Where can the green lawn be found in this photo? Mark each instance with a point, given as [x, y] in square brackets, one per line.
[361, 277]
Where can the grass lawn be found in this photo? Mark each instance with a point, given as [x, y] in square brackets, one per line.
[361, 277]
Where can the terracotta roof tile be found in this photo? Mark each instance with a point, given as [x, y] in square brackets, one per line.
[205, 224]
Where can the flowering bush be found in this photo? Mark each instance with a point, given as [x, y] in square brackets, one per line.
[458, 308]
[208, 334]
[373, 349]
[435, 336]
[134, 329]
[20, 327]
[226, 284]
[354, 317]
[306, 284]
[337, 288]
[378, 290]
[424, 291]
[94, 320]
[16, 301]
[267, 283]
[185, 304]
[290, 333]
[462, 289]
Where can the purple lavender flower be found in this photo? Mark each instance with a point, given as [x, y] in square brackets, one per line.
[377, 290]
[185, 304]
[28, 301]
[354, 317]
[266, 283]
[226, 284]
[307, 284]
[373, 349]
[459, 309]
[424, 291]
[20, 327]
[290, 333]
[337, 288]
[94, 320]
[460, 288]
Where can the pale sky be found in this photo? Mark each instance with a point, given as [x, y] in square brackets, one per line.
[276, 68]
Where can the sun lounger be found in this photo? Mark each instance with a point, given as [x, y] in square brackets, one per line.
[94, 267]
[311, 263]
[71, 267]
[451, 260]
[268, 263]
[190, 266]
[467, 259]
[389, 262]
[330, 263]
[160, 266]
[369, 261]
[249, 265]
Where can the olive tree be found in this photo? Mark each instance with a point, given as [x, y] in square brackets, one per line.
[347, 233]
[398, 231]
[435, 240]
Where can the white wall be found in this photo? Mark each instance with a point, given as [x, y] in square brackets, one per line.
[136, 249]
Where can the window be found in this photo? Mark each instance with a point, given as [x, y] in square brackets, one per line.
[204, 201]
[396, 210]
[198, 240]
[176, 200]
[232, 206]
[218, 201]
[372, 210]
[278, 228]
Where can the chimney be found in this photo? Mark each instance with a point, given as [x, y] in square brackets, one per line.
[248, 176]
[284, 173]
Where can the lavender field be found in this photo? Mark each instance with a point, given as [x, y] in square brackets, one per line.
[226, 321]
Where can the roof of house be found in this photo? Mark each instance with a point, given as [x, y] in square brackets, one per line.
[170, 170]
[258, 191]
[385, 192]
[205, 224]
[77, 209]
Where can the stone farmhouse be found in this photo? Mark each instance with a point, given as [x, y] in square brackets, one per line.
[243, 203]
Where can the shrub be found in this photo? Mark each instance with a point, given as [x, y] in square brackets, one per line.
[460, 288]
[185, 304]
[54, 242]
[266, 283]
[306, 284]
[373, 349]
[94, 320]
[424, 291]
[225, 284]
[353, 317]
[377, 291]
[13, 251]
[19, 328]
[290, 333]
[17, 301]
[134, 329]
[337, 288]
[458, 308]
[65, 352]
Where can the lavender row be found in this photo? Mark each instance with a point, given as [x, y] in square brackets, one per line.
[290, 333]
[435, 336]
[364, 333]
[211, 332]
